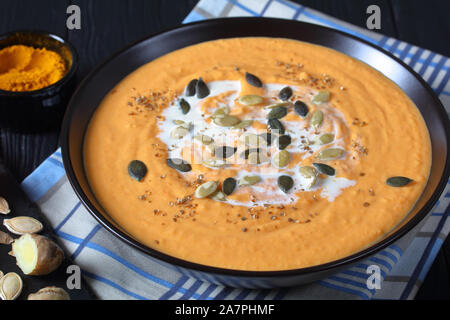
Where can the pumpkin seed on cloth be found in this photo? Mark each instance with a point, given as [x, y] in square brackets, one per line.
[301, 108]
[325, 169]
[321, 97]
[10, 286]
[226, 120]
[179, 164]
[253, 80]
[250, 100]
[228, 186]
[201, 89]
[190, 88]
[285, 183]
[285, 93]
[137, 170]
[317, 118]
[276, 125]
[309, 175]
[246, 181]
[281, 159]
[325, 138]
[330, 154]
[398, 181]
[277, 113]
[206, 189]
[243, 124]
[204, 139]
[23, 225]
[214, 163]
[224, 152]
[284, 141]
[185, 106]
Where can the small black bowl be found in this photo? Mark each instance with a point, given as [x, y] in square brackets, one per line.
[43, 109]
[101, 80]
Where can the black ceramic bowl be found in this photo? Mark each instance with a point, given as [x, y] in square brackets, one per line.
[102, 79]
[42, 109]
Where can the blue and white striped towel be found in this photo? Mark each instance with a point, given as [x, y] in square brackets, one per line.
[116, 271]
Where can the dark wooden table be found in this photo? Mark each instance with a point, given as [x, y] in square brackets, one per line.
[108, 25]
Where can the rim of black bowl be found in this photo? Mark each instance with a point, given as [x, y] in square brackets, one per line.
[69, 74]
[348, 260]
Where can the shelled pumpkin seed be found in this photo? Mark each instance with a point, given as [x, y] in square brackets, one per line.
[248, 181]
[243, 124]
[325, 169]
[398, 181]
[276, 125]
[277, 113]
[190, 88]
[253, 140]
[137, 170]
[10, 286]
[246, 152]
[257, 157]
[285, 104]
[310, 175]
[224, 152]
[185, 106]
[179, 132]
[204, 139]
[317, 118]
[321, 97]
[284, 141]
[281, 159]
[285, 93]
[23, 225]
[325, 138]
[301, 108]
[228, 186]
[179, 164]
[201, 89]
[206, 189]
[221, 111]
[226, 120]
[214, 163]
[285, 183]
[253, 80]
[250, 100]
[218, 196]
[330, 154]
[267, 136]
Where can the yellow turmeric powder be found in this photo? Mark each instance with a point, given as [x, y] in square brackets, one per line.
[24, 68]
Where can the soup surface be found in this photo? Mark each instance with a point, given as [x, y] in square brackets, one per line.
[179, 154]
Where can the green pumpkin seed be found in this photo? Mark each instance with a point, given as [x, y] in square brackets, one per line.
[179, 133]
[250, 100]
[317, 118]
[281, 159]
[190, 88]
[276, 125]
[215, 163]
[206, 189]
[243, 124]
[276, 105]
[330, 154]
[183, 124]
[185, 106]
[224, 152]
[229, 185]
[226, 121]
[267, 136]
[221, 111]
[285, 183]
[325, 138]
[246, 153]
[308, 172]
[202, 89]
[253, 80]
[398, 181]
[325, 169]
[257, 157]
[218, 196]
[137, 170]
[321, 97]
[248, 181]
[284, 141]
[301, 108]
[285, 93]
[179, 164]
[277, 113]
[253, 140]
[204, 139]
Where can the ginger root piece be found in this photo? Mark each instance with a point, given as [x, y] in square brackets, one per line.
[37, 255]
[50, 293]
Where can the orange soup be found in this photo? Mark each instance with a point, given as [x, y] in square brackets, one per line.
[257, 154]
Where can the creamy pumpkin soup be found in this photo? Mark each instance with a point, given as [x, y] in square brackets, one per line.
[257, 154]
